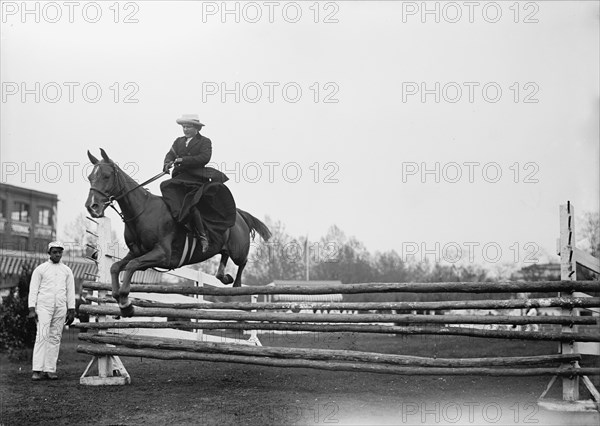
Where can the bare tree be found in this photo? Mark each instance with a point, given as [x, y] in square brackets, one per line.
[76, 237]
[590, 231]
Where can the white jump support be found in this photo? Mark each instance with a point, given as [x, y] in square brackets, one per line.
[110, 368]
[569, 257]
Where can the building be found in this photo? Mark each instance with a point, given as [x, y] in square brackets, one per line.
[538, 272]
[27, 218]
[303, 297]
[306, 298]
[27, 225]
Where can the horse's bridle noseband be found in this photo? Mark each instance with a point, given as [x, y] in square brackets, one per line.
[110, 199]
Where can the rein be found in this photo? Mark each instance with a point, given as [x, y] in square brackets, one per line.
[152, 179]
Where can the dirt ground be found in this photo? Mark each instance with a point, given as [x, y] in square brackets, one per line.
[201, 393]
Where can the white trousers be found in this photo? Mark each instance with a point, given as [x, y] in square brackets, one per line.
[51, 322]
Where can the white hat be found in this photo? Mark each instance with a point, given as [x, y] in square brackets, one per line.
[56, 244]
[192, 119]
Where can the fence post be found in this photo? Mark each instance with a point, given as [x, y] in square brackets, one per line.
[568, 272]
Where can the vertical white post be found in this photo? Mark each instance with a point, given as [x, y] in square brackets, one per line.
[110, 368]
[307, 259]
[568, 272]
[105, 366]
[200, 297]
[254, 333]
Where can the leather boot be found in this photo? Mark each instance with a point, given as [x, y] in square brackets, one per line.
[199, 228]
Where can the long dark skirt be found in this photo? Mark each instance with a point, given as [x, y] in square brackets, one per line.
[213, 199]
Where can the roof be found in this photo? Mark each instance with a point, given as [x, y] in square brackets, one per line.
[551, 267]
[304, 283]
[5, 187]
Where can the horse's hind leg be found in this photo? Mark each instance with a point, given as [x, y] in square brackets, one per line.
[238, 275]
[225, 279]
[239, 255]
[238, 247]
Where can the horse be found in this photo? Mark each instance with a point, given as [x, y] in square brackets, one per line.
[154, 238]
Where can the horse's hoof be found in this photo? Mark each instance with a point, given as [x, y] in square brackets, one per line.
[237, 284]
[227, 279]
[127, 312]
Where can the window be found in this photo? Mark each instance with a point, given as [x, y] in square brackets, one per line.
[20, 212]
[23, 243]
[44, 216]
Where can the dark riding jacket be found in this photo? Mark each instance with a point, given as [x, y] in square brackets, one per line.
[194, 159]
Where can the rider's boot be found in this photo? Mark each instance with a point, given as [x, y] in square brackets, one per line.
[199, 228]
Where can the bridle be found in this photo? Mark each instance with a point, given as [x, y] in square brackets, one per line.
[111, 198]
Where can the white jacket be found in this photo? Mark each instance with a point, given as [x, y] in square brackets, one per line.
[52, 285]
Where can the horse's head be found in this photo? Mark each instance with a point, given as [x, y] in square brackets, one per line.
[103, 184]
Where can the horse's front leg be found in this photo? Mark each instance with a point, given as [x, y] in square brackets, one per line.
[156, 257]
[115, 270]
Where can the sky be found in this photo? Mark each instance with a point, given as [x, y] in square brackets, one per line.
[413, 127]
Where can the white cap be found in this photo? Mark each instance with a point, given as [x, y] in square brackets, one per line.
[56, 244]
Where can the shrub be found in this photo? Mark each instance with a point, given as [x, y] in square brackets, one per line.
[17, 332]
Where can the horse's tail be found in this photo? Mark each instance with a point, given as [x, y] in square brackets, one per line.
[255, 225]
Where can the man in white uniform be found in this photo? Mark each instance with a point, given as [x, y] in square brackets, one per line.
[51, 300]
